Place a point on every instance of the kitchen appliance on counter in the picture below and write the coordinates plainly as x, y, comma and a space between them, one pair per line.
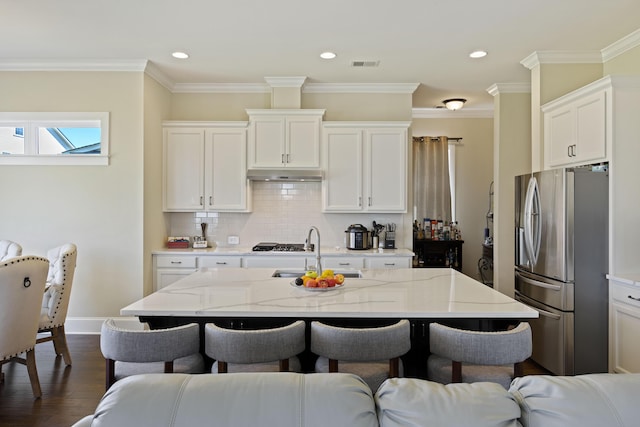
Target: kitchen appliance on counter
357, 237
561, 262
280, 247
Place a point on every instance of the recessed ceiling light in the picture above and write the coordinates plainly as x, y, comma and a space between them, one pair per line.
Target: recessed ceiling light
478, 54
327, 55
180, 55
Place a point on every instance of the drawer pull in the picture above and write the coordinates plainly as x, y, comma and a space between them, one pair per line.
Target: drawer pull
221, 263
344, 263
390, 263
176, 262
633, 298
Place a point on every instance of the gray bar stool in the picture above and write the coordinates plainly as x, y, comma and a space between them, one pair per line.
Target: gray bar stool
255, 350
459, 355
371, 353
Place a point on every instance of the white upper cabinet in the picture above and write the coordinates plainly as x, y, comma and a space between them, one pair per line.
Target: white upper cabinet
205, 167
365, 167
284, 138
575, 128
183, 169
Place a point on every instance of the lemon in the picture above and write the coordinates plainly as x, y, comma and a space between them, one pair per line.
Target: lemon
327, 273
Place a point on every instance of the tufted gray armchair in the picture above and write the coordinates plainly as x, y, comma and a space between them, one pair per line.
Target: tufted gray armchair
22, 282
9, 249
55, 302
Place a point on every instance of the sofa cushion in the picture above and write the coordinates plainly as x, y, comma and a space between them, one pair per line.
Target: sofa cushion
242, 399
410, 402
585, 400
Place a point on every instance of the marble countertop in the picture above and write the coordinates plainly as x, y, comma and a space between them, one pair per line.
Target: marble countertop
632, 279
246, 251
395, 293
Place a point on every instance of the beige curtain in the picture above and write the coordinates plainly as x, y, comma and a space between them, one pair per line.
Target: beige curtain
431, 191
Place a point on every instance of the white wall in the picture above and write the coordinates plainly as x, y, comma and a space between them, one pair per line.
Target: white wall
99, 208
157, 104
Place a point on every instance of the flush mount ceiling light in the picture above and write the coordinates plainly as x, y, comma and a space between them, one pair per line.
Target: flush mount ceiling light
327, 55
478, 54
180, 55
454, 104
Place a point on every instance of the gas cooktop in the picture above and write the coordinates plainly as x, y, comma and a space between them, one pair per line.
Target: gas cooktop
279, 247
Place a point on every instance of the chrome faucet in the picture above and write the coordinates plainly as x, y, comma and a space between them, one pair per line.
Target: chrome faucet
307, 246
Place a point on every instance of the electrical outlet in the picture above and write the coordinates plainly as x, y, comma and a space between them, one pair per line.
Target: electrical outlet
233, 240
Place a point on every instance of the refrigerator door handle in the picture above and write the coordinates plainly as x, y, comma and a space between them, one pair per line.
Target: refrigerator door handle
532, 304
540, 284
532, 222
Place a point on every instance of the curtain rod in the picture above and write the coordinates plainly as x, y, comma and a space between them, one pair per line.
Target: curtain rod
435, 138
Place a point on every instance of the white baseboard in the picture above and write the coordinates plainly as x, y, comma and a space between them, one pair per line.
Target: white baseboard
92, 325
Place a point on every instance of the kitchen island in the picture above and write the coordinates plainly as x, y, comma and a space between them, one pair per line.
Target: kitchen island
394, 294
251, 298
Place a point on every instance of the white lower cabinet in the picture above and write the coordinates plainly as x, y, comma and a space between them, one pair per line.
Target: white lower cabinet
296, 262
219, 261
388, 262
336, 263
171, 268
624, 328
168, 269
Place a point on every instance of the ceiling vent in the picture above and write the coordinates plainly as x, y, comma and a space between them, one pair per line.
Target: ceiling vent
363, 64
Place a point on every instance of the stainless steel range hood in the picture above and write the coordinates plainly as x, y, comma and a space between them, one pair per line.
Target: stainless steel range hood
284, 174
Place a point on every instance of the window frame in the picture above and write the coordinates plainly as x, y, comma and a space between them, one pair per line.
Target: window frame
32, 121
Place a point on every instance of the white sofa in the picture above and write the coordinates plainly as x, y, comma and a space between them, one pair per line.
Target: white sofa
314, 400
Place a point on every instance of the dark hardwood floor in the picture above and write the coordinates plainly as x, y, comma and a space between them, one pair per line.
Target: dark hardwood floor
69, 392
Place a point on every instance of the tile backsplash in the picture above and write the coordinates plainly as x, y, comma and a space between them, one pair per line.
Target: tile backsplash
282, 212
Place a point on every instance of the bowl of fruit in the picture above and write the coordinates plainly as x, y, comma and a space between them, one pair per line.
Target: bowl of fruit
325, 281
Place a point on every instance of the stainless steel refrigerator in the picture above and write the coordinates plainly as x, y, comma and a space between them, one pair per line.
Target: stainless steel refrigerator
561, 262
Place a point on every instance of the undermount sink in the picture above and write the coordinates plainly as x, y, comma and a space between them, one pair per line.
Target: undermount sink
299, 273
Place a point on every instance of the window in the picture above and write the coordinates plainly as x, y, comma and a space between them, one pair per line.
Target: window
452, 179
54, 138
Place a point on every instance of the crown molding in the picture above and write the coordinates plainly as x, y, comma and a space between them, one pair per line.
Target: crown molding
619, 47
443, 113
221, 88
499, 88
406, 88
562, 57
73, 65
153, 71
